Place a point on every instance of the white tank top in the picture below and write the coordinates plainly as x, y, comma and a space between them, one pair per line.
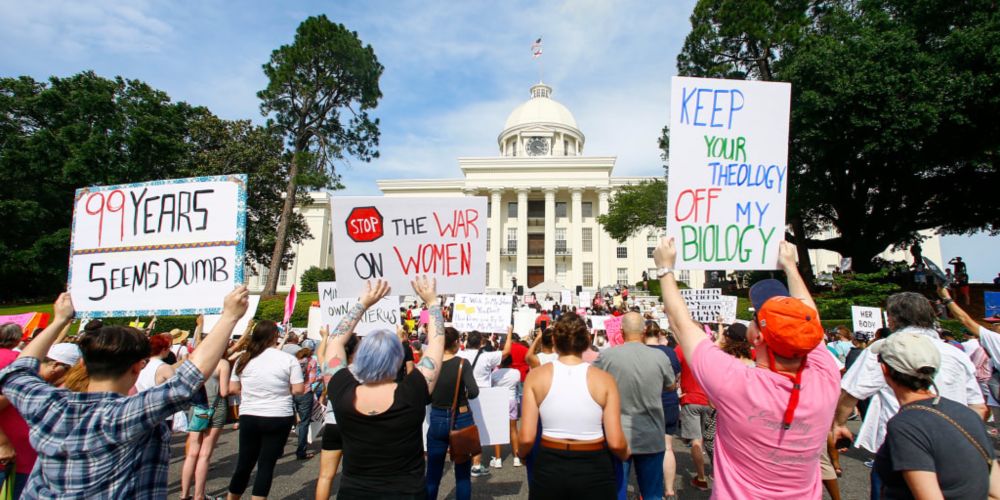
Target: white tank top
568, 410
147, 377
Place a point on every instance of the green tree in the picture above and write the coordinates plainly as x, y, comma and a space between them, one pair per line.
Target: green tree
320, 89
314, 275
68, 133
635, 207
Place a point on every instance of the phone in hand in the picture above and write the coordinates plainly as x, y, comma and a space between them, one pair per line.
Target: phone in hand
842, 443
544, 325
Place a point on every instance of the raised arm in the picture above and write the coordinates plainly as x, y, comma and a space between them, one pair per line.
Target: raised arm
531, 358
688, 333
207, 357
796, 285
62, 312
507, 342
199, 328
970, 324
430, 362
374, 292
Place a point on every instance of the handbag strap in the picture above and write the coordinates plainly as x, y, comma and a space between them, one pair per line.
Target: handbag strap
476, 359
454, 401
979, 447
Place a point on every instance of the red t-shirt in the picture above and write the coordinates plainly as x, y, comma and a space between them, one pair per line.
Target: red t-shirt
691, 391
15, 427
517, 354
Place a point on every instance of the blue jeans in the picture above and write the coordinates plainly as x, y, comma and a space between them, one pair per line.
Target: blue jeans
648, 472
303, 408
876, 484
437, 447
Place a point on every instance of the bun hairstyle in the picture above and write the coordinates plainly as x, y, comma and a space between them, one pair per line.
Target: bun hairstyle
263, 336
110, 351
570, 334
450, 339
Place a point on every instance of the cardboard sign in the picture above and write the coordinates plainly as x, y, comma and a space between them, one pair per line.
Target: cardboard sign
241, 325
728, 172
29, 322
384, 315
482, 313
397, 239
566, 298
160, 248
597, 322
491, 411
524, 321
585, 298
708, 304
866, 319
314, 322
613, 328
992, 302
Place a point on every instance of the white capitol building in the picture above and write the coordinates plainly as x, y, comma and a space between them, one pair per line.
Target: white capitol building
544, 196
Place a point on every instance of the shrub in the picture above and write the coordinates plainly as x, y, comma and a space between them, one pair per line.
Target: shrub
314, 275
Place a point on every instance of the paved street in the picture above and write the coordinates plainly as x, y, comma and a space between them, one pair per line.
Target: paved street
296, 479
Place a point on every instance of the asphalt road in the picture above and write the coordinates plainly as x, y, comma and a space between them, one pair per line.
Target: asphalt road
296, 479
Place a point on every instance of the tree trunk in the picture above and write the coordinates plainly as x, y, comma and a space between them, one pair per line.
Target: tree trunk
805, 261
271, 286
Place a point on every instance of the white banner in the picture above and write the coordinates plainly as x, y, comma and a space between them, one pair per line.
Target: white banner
158, 248
866, 319
566, 298
597, 322
398, 239
707, 305
384, 315
491, 411
241, 325
728, 172
482, 313
524, 321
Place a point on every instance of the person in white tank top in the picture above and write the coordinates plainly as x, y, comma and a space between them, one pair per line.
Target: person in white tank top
578, 408
156, 370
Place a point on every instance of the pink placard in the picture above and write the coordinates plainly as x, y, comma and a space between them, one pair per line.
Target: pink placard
613, 329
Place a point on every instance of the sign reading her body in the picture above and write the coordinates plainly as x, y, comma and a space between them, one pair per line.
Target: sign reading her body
866, 319
158, 248
397, 239
728, 172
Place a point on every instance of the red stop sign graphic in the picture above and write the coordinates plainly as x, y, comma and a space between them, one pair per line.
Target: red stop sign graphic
364, 224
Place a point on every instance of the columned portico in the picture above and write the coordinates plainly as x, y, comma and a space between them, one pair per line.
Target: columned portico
522, 236
608, 249
576, 230
550, 234
496, 235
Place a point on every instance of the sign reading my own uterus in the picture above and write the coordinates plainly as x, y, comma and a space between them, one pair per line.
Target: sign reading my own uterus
728, 172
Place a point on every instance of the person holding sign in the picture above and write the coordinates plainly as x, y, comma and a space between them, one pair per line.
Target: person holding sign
381, 420
779, 409
102, 443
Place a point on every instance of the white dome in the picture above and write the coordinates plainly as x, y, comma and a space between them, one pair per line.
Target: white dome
540, 109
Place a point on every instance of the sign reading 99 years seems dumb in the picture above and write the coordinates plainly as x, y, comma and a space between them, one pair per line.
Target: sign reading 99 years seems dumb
728, 172
398, 239
157, 248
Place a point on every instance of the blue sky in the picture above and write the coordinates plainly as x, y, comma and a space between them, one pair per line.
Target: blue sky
454, 70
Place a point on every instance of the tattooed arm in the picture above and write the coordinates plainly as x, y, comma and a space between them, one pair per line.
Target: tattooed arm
374, 292
430, 362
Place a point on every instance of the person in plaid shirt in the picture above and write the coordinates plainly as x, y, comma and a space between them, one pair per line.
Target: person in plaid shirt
102, 443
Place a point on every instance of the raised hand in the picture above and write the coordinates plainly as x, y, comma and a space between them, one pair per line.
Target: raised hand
787, 255
235, 304
426, 288
374, 291
665, 254
63, 307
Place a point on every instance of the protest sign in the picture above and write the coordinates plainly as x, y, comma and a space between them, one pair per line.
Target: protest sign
581, 312
315, 322
992, 303
327, 290
729, 305
398, 239
482, 313
384, 315
241, 325
585, 298
613, 329
491, 411
728, 172
597, 322
566, 298
524, 321
939, 277
160, 248
866, 319
29, 322
707, 305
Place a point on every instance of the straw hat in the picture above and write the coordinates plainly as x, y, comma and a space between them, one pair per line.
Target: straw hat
179, 335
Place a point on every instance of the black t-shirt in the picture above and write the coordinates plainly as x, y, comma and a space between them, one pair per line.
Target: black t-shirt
407, 356
383, 453
444, 390
921, 440
852, 356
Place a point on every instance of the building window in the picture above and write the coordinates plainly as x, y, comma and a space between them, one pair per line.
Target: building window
684, 277
588, 239
489, 230
511, 239
489, 209
588, 274
651, 241
560, 240
560, 209
512, 210
561, 272
536, 209
623, 276
487, 274
283, 278
588, 209
622, 252
262, 275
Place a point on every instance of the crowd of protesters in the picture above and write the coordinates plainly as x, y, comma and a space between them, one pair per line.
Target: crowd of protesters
763, 405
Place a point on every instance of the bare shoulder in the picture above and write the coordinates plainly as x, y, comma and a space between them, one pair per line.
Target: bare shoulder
599, 382
538, 381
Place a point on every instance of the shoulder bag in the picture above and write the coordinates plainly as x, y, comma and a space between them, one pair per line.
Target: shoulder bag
979, 447
462, 443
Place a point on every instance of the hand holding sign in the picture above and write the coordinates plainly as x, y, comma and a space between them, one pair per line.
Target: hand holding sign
63, 308
665, 254
234, 306
426, 288
787, 256
373, 294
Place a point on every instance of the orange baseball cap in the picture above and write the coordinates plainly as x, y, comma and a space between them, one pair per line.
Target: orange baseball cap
790, 328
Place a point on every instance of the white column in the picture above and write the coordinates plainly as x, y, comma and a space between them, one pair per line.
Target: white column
496, 227
550, 234
607, 259
522, 237
576, 237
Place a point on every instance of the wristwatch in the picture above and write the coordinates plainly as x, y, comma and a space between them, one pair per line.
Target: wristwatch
663, 271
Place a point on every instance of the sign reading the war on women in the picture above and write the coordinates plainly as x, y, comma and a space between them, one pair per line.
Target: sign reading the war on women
384, 315
157, 248
398, 239
482, 313
728, 172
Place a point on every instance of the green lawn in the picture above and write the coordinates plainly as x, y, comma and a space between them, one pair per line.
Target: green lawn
45, 307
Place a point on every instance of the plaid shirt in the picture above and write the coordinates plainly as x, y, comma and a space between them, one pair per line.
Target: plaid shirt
97, 445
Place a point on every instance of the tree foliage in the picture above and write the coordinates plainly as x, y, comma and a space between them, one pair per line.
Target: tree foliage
319, 93
634, 207
314, 275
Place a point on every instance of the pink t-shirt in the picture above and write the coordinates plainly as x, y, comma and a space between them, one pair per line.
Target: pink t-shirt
15, 427
754, 457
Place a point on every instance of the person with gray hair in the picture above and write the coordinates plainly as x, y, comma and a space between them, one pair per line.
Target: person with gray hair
10, 335
907, 312
380, 420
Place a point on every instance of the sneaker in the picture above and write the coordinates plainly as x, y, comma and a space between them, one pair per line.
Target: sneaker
496, 463
869, 463
517, 462
701, 484
479, 470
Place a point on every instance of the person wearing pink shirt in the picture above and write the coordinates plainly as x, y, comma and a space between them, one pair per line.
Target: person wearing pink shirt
772, 419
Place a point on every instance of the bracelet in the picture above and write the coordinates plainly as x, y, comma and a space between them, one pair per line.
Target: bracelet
947, 301
663, 271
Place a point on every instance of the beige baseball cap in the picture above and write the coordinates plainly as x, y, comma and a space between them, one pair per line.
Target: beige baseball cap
910, 354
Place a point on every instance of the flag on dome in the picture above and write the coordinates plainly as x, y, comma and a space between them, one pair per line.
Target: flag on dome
536, 48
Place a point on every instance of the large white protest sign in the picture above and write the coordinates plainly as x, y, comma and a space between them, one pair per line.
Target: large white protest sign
524, 321
241, 325
707, 305
728, 172
566, 298
482, 313
597, 322
397, 239
384, 315
491, 411
866, 319
585, 299
161, 248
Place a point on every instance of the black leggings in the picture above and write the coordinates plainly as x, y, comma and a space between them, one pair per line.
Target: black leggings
262, 442
572, 475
